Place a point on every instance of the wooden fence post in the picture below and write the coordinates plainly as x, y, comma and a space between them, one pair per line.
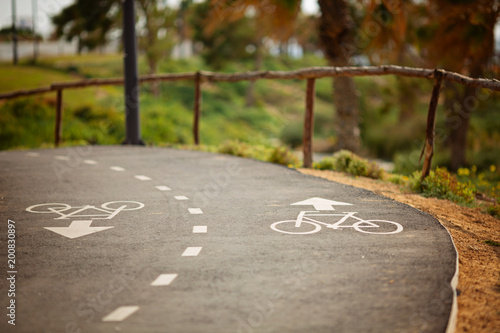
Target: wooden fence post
58, 130
431, 124
197, 105
307, 136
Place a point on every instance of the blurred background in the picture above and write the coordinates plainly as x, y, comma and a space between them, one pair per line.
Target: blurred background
380, 118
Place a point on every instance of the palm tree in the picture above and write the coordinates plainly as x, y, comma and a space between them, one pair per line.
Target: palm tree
336, 34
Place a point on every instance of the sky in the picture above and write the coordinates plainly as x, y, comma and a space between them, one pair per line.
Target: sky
48, 8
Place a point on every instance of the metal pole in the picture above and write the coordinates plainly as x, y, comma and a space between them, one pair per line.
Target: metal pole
14, 33
132, 119
197, 104
34, 9
58, 130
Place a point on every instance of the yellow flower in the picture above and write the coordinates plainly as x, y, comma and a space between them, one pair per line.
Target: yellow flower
493, 168
474, 168
463, 172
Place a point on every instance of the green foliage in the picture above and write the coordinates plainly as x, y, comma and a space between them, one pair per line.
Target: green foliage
492, 243
279, 155
493, 210
346, 161
444, 185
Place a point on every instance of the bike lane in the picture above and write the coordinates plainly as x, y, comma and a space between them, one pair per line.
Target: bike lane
248, 276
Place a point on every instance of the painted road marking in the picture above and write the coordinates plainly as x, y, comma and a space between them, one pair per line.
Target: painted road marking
192, 251
122, 313
62, 158
181, 197
77, 229
91, 162
141, 177
117, 168
164, 280
163, 188
195, 211
32, 154
321, 204
200, 229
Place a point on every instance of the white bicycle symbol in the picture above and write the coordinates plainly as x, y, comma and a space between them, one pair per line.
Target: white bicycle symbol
107, 210
304, 225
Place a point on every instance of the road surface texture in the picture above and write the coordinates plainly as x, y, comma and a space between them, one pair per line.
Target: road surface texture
134, 239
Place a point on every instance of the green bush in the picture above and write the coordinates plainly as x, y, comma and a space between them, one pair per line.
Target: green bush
283, 156
345, 161
444, 185
280, 155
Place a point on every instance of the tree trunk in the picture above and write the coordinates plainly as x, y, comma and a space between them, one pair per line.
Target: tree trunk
335, 31
458, 119
250, 95
458, 114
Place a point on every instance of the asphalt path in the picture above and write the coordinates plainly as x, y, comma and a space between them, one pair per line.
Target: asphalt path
134, 239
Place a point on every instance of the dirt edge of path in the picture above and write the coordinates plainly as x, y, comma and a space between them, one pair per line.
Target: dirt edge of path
479, 263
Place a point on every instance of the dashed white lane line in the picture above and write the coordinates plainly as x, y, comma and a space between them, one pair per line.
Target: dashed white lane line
91, 162
195, 211
181, 197
142, 177
122, 313
32, 154
164, 280
163, 188
117, 168
61, 158
192, 251
200, 229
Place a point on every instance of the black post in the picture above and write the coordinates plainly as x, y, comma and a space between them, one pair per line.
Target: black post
14, 33
132, 119
34, 10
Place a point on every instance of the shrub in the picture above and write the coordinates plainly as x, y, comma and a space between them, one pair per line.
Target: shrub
280, 155
441, 184
345, 161
494, 210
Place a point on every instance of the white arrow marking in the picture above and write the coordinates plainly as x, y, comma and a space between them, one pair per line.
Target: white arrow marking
77, 229
321, 204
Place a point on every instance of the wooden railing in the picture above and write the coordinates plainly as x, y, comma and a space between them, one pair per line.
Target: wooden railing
310, 74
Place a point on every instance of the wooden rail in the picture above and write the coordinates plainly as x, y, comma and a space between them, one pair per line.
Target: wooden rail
310, 74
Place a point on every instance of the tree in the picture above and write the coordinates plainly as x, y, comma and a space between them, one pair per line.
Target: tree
459, 36
336, 32
225, 42
91, 21
271, 18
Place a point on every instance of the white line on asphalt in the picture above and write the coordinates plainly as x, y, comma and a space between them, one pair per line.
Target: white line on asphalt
192, 251
91, 162
32, 154
195, 211
200, 229
120, 314
164, 280
61, 158
141, 177
163, 188
181, 197
117, 168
